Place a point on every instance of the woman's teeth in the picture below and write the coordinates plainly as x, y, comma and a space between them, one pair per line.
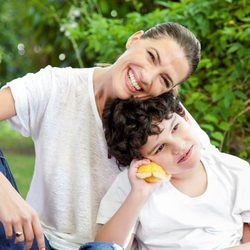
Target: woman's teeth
132, 81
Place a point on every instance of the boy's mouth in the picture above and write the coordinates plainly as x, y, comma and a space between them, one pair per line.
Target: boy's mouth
186, 155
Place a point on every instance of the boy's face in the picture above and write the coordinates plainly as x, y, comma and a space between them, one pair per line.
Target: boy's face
176, 148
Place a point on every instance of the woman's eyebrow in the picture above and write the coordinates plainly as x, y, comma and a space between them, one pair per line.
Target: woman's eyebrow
159, 60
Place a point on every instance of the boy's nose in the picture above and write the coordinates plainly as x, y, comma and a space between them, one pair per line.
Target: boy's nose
178, 148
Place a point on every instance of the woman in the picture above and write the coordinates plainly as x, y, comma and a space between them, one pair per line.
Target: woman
61, 109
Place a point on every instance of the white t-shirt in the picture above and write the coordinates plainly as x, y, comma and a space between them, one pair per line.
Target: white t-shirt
72, 171
172, 220
56, 106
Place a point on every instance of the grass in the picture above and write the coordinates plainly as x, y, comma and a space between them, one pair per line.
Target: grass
21, 166
19, 152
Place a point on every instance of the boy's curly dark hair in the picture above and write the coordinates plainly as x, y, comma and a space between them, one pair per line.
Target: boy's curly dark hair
128, 123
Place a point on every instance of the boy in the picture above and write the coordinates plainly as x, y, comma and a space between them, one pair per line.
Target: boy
203, 206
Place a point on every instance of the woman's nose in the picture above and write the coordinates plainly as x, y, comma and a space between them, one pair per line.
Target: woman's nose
146, 81
148, 77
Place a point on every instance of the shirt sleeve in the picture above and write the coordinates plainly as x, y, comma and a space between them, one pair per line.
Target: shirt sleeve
32, 94
244, 192
201, 134
114, 198
241, 177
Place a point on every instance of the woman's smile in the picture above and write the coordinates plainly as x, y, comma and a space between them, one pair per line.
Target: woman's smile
132, 82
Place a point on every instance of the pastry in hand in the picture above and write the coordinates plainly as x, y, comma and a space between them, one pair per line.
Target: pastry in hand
152, 172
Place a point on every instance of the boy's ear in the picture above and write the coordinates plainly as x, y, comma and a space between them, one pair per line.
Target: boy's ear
134, 38
187, 119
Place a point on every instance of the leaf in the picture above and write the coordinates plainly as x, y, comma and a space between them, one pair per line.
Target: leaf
234, 47
207, 127
227, 99
224, 126
215, 143
240, 94
211, 118
217, 135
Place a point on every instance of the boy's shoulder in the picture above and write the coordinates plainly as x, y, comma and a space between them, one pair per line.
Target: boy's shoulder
122, 180
226, 162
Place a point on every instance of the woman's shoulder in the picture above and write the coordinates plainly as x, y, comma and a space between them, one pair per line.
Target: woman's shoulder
69, 72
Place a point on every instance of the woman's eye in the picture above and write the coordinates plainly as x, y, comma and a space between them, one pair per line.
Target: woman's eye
166, 82
151, 56
159, 149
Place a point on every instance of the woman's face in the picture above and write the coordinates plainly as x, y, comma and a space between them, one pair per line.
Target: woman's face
149, 67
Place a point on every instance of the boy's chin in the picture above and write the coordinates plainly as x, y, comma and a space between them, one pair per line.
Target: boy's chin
196, 155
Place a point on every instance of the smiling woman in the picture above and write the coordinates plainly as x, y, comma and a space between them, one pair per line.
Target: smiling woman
61, 109
156, 60
157, 65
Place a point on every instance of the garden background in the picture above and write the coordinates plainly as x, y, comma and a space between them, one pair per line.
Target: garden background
76, 33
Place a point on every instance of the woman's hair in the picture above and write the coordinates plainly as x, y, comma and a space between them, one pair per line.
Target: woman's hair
184, 37
128, 123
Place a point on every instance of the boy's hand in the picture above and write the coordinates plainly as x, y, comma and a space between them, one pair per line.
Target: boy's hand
18, 217
140, 185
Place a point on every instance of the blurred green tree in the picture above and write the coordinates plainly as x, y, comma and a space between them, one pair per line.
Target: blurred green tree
81, 33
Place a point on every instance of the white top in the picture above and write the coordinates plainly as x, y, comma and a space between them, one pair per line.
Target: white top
56, 106
173, 220
72, 172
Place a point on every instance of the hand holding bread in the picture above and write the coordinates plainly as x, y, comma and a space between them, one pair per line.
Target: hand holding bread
152, 173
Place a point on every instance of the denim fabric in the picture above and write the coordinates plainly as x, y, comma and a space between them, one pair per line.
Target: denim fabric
100, 246
10, 244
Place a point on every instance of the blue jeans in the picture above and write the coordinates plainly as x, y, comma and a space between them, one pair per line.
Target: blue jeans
9, 244
100, 246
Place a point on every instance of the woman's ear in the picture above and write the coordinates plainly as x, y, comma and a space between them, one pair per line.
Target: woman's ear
134, 38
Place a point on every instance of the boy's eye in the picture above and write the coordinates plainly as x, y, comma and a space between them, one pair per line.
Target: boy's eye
175, 127
160, 148
151, 56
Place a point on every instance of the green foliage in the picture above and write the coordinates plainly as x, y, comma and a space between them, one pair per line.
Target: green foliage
92, 31
223, 74
217, 95
11, 141
21, 166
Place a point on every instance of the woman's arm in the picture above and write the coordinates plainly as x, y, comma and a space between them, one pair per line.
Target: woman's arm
7, 104
16, 214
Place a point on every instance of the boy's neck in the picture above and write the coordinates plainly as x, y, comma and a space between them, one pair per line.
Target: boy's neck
193, 183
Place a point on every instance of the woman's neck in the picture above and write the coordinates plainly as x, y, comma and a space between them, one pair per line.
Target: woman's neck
102, 87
